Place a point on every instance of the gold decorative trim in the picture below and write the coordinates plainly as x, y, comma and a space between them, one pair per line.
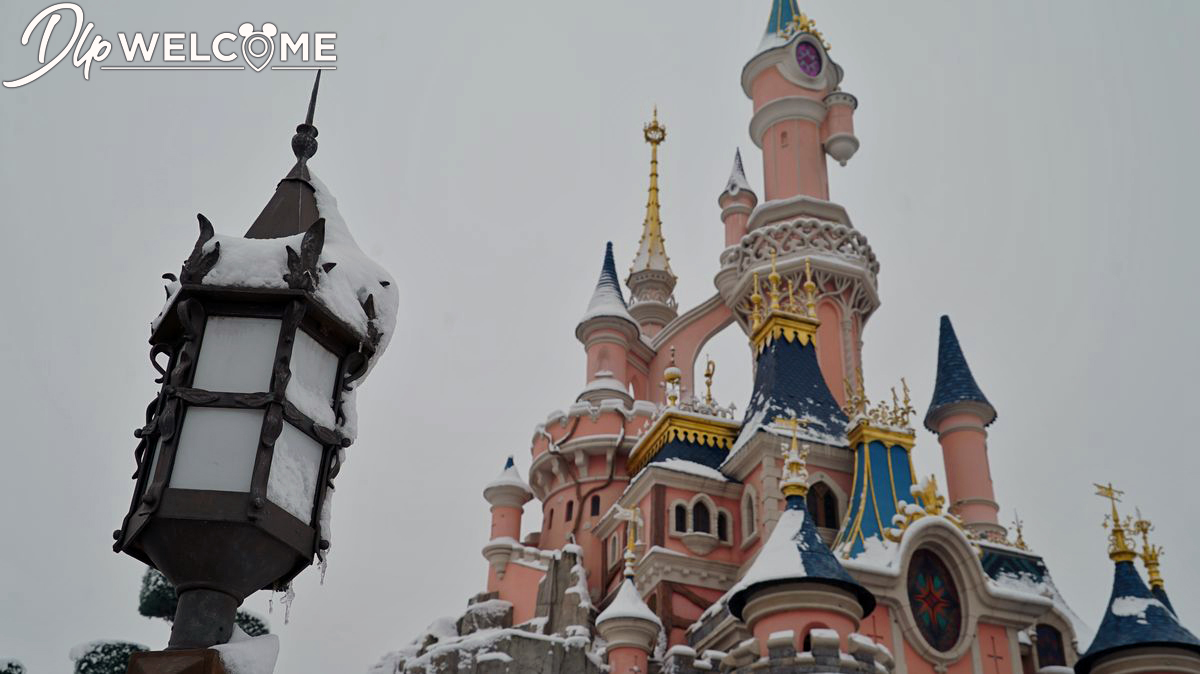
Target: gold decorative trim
671, 425
781, 325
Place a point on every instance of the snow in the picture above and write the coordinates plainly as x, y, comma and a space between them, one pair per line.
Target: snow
607, 301
737, 177
494, 657
249, 655
1024, 583
262, 263
313, 404
1127, 607
691, 468
509, 477
628, 604
780, 557
580, 587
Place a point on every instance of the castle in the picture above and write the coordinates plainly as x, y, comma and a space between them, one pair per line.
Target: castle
681, 535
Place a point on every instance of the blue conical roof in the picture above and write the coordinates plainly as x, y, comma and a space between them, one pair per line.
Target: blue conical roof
1134, 619
1161, 595
795, 553
607, 299
955, 383
782, 14
788, 383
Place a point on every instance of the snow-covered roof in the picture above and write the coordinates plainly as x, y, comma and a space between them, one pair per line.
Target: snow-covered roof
691, 468
1134, 619
628, 604
737, 176
509, 477
607, 299
795, 553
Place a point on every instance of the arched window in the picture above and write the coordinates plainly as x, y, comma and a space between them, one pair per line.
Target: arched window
822, 505
681, 518
723, 527
701, 520
570, 510
595, 505
550, 519
1050, 647
749, 522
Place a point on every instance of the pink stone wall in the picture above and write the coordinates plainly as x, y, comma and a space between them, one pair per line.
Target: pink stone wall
801, 622
968, 475
627, 660
519, 586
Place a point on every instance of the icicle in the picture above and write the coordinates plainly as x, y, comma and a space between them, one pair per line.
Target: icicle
288, 597
323, 564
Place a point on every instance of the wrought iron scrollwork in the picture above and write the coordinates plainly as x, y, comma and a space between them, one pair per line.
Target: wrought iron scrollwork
199, 263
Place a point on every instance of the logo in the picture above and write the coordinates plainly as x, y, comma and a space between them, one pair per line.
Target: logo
174, 51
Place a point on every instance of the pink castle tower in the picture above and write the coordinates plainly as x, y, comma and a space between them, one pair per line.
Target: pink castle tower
677, 535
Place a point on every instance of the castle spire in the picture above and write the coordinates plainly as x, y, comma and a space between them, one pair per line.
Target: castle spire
651, 281
293, 207
1137, 628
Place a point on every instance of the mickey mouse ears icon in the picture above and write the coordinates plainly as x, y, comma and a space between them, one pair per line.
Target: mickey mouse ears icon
258, 47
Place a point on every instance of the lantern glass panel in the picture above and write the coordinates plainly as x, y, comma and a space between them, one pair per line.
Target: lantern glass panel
295, 468
216, 450
237, 354
314, 373
157, 449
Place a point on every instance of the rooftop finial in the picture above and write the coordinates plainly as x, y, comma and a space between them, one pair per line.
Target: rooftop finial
304, 143
652, 251
1150, 553
795, 460
1119, 549
710, 369
671, 379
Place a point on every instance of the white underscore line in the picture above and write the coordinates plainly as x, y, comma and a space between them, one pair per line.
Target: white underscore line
213, 67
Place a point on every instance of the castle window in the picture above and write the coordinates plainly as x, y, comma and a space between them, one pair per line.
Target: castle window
723, 527
550, 519
595, 505
822, 504
749, 522
570, 510
701, 519
681, 518
1050, 647
613, 547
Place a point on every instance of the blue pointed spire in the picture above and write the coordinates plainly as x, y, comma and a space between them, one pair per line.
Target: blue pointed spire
508, 464
608, 274
1161, 595
795, 553
1134, 619
607, 299
955, 383
782, 14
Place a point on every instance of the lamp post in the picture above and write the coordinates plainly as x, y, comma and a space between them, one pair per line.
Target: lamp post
259, 349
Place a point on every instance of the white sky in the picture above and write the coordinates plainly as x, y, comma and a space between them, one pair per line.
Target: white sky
1026, 167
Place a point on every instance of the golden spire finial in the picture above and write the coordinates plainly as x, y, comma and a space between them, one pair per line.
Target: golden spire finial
710, 368
810, 290
795, 460
773, 278
652, 250
931, 500
1150, 553
1119, 549
756, 299
671, 376
802, 24
631, 543
1018, 526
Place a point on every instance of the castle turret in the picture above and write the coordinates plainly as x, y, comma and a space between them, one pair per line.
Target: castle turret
800, 111
1150, 555
796, 584
607, 330
628, 625
651, 281
1138, 632
507, 495
737, 202
960, 414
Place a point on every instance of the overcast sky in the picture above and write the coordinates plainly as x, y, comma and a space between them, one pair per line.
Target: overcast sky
1026, 167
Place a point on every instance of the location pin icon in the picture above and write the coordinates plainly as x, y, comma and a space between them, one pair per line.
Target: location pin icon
258, 47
